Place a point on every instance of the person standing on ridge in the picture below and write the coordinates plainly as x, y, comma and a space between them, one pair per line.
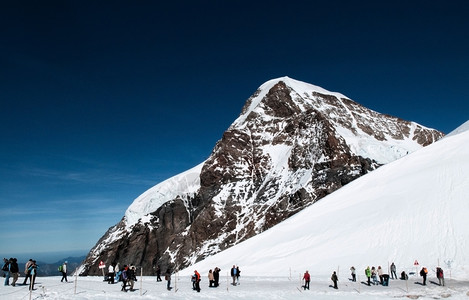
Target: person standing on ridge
307, 279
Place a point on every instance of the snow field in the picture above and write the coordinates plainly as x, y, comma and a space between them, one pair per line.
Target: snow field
255, 288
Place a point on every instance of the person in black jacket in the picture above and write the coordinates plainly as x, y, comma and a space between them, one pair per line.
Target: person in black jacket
334, 279
216, 276
14, 270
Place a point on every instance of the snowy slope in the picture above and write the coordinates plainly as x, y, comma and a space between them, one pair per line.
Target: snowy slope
415, 208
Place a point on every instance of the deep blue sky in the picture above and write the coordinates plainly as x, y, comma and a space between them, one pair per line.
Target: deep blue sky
100, 100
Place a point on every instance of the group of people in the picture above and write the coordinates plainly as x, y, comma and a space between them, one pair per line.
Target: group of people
127, 276
214, 278
10, 268
375, 273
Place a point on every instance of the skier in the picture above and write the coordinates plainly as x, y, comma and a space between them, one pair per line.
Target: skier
423, 273
368, 275
439, 275
111, 274
307, 279
354, 275
334, 279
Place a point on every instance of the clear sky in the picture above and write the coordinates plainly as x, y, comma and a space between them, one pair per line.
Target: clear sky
100, 100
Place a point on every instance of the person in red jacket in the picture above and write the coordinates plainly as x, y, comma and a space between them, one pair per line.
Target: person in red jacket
197, 281
307, 279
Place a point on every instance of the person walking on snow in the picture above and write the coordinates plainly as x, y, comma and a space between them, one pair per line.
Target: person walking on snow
158, 273
354, 275
234, 273
393, 271
111, 274
380, 275
211, 278
27, 272
167, 277
216, 276
334, 279
197, 281
368, 275
14, 270
307, 279
423, 273
439, 275
6, 271
64, 272
373, 276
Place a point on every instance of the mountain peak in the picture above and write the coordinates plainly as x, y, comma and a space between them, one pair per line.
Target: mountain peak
293, 144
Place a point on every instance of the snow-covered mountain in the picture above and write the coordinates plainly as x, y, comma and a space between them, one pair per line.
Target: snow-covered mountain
293, 144
413, 209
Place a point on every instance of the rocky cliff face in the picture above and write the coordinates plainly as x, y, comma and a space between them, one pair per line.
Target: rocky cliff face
293, 144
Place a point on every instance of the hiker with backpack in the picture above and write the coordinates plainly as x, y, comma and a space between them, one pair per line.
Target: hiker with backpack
63, 270
27, 272
424, 273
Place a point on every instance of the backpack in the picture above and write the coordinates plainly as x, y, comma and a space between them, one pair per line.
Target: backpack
60, 268
5, 267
